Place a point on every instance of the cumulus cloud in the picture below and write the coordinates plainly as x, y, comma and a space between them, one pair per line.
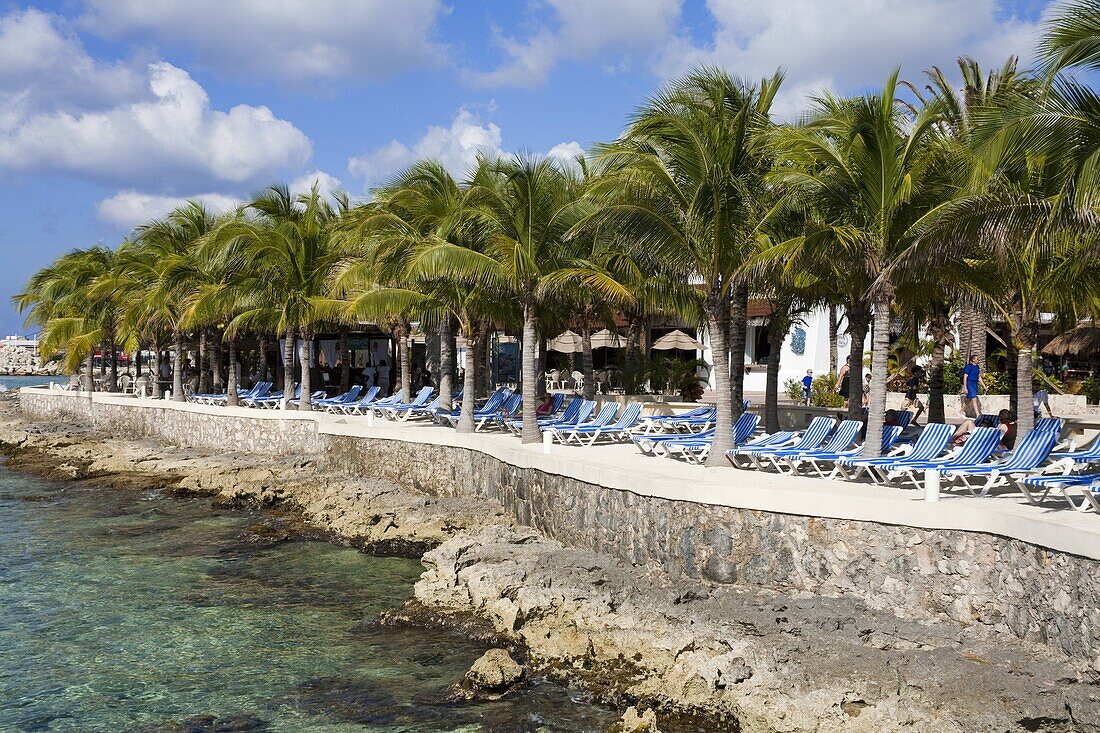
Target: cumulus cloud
855, 42
297, 41
326, 184
143, 125
583, 29
457, 147
126, 209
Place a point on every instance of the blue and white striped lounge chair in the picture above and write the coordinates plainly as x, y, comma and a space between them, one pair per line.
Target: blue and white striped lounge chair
1050, 424
815, 434
843, 438
349, 408
695, 448
432, 408
274, 400
775, 440
1028, 455
615, 431
583, 415
817, 459
603, 418
1076, 459
904, 418
1088, 484
313, 397
260, 389
394, 399
512, 409
932, 441
568, 416
979, 446
397, 411
663, 423
489, 408
350, 396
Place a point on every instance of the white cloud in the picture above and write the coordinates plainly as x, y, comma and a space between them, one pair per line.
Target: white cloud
456, 147
168, 137
127, 209
296, 41
585, 28
856, 42
326, 184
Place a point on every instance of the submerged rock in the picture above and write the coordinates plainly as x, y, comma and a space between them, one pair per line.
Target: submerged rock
209, 724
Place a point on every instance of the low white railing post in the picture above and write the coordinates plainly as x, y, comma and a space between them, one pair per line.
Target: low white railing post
932, 485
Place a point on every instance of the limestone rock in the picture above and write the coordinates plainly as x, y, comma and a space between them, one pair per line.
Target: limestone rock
495, 672
635, 722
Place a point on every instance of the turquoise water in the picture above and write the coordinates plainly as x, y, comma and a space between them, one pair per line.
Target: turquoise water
128, 611
9, 382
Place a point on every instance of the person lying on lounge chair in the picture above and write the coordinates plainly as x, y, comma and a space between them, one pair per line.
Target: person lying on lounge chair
1007, 428
546, 406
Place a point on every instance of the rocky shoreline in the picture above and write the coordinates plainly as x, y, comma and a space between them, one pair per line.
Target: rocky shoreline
735, 658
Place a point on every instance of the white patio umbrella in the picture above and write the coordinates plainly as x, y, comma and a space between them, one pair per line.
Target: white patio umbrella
566, 343
677, 340
607, 339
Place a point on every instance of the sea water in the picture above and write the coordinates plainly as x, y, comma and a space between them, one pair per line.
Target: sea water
124, 610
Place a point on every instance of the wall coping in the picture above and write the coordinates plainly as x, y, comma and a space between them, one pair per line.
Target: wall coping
621, 467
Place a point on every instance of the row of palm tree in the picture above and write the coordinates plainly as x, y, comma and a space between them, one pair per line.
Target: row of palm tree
905, 205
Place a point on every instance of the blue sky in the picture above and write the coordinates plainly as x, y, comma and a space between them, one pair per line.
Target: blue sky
113, 111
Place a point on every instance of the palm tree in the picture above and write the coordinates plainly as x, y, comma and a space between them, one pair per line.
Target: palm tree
62, 300
287, 245
171, 246
686, 183
860, 166
530, 205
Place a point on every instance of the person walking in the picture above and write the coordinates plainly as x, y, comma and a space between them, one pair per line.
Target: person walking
807, 387
1040, 398
843, 377
970, 383
912, 386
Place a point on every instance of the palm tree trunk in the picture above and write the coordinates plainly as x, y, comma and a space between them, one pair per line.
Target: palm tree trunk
485, 384
771, 395
718, 329
288, 366
345, 360
89, 372
469, 381
155, 381
832, 339
232, 399
204, 382
940, 327
404, 358
586, 359
446, 362
217, 358
530, 432
1012, 366
973, 323
261, 344
137, 361
858, 325
880, 352
1025, 416
305, 403
177, 367
738, 332
112, 380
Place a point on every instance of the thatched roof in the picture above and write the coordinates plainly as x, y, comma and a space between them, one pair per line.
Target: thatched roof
1081, 341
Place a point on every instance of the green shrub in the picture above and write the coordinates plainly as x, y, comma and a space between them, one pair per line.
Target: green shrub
1090, 388
823, 393
793, 389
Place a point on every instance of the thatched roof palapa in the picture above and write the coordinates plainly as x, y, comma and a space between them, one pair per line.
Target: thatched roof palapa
1081, 341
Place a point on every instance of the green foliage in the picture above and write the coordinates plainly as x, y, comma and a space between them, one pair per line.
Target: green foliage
823, 392
793, 389
1090, 388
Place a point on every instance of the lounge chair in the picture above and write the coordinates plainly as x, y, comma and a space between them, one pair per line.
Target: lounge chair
568, 417
398, 410
272, 400
662, 423
619, 430
489, 407
840, 441
603, 418
1087, 483
815, 434
816, 459
775, 440
511, 410
1027, 456
696, 448
353, 408
904, 418
350, 396
979, 446
394, 399
260, 389
583, 412
933, 440
430, 409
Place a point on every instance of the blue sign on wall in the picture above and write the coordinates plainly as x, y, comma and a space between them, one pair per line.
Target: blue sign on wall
798, 341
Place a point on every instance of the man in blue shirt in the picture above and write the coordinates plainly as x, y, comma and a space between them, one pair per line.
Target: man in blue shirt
970, 374
807, 386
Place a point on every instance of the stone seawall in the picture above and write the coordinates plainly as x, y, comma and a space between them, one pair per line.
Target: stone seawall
973, 578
